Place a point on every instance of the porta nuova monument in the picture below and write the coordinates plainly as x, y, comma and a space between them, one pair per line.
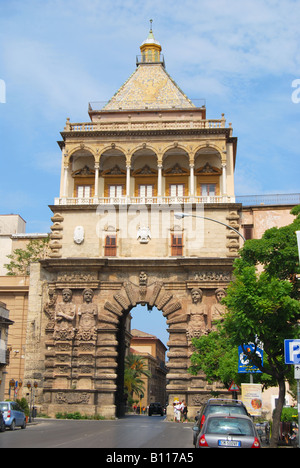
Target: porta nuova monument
116, 242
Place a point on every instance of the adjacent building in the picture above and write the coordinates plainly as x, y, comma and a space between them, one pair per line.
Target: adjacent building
154, 353
5, 322
118, 239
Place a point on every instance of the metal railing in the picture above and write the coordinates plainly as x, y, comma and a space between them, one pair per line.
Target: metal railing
271, 199
142, 200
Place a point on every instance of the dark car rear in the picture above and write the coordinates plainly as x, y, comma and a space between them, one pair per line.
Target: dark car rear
155, 408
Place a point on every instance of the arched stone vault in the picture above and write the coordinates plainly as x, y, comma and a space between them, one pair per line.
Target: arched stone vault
81, 316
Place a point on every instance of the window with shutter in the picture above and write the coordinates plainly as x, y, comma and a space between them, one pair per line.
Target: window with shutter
110, 249
115, 191
84, 191
176, 190
208, 190
176, 245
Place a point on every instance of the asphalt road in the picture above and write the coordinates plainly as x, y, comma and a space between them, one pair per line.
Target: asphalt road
131, 432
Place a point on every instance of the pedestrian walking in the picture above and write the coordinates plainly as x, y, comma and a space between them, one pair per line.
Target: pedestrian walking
184, 412
178, 412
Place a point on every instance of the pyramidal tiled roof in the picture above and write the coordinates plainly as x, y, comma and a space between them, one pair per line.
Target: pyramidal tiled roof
149, 87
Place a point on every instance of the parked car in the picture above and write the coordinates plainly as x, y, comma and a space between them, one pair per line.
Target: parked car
13, 415
2, 422
224, 431
155, 408
217, 405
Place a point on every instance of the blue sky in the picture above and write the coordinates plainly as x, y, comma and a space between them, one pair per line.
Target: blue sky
242, 57
57, 55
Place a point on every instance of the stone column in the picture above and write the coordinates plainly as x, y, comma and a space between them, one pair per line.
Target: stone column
224, 179
192, 181
96, 193
159, 180
127, 181
65, 188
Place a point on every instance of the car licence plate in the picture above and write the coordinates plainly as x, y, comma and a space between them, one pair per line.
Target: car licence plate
229, 443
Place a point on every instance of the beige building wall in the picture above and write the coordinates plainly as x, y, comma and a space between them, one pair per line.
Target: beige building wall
14, 292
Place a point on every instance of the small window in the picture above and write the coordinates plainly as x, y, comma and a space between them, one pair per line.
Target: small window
248, 231
176, 190
208, 190
146, 191
84, 191
115, 191
176, 245
110, 246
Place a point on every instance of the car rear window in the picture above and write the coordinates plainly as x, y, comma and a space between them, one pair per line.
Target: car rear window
4, 407
229, 426
214, 409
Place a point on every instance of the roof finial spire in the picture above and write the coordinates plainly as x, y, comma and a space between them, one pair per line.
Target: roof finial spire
151, 21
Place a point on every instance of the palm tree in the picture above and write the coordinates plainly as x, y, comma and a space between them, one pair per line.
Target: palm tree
135, 368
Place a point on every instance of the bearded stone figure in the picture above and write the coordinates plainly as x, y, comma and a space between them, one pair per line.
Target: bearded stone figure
64, 317
87, 314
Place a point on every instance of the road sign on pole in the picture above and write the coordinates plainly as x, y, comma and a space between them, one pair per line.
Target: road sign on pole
292, 351
234, 387
245, 365
297, 371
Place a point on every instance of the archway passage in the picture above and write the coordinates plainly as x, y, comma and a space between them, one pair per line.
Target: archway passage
78, 355
141, 343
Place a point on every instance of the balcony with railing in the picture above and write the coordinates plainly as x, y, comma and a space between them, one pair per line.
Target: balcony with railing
169, 200
149, 125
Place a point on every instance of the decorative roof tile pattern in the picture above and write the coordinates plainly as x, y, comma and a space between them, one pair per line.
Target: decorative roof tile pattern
149, 87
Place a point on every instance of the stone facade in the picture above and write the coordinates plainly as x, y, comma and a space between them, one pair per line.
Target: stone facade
77, 347
117, 242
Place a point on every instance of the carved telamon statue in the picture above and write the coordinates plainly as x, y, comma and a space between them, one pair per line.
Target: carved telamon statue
49, 309
87, 314
64, 317
143, 281
198, 323
218, 310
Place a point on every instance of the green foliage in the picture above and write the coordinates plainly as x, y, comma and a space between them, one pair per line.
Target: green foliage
77, 416
21, 259
23, 403
289, 415
135, 368
263, 305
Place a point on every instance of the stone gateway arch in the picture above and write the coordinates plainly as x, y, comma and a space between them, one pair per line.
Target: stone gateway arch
116, 242
78, 355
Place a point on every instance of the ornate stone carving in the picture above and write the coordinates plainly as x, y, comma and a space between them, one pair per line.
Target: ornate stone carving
49, 309
198, 323
56, 235
143, 284
144, 234
64, 317
78, 235
72, 398
218, 310
213, 276
87, 314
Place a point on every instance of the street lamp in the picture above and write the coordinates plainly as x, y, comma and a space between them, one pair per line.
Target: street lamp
183, 215
32, 395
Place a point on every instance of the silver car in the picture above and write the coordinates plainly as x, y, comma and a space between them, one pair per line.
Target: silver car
226, 431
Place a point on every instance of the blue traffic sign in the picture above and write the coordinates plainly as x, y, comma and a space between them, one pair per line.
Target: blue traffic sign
292, 351
245, 366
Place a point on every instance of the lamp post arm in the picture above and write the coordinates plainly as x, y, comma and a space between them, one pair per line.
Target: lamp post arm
227, 225
182, 215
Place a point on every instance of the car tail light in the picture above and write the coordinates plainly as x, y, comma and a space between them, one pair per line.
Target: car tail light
256, 443
202, 421
202, 441
8, 414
